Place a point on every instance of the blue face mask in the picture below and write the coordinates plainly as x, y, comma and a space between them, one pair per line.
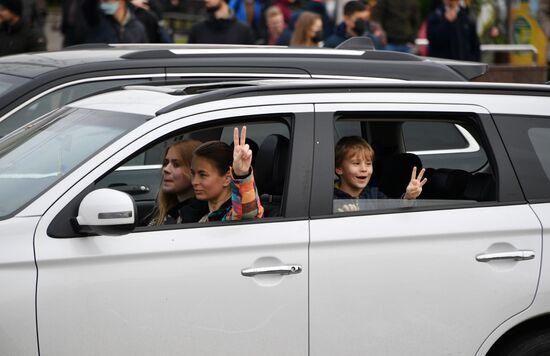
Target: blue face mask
109, 8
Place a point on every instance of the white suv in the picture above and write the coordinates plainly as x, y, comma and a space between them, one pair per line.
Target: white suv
460, 271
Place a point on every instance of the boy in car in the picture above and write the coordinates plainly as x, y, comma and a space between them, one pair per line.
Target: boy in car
353, 165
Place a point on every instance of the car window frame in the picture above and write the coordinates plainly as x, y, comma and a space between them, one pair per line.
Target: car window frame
507, 186
297, 185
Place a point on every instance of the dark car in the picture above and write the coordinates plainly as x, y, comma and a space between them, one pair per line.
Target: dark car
34, 84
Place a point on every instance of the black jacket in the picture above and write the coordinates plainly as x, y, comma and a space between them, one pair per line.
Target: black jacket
453, 40
102, 28
20, 38
223, 31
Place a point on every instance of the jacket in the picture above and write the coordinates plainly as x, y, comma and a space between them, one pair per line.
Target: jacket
109, 30
367, 193
20, 38
341, 34
399, 18
222, 31
453, 40
244, 203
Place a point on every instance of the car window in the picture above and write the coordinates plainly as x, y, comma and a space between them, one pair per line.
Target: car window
268, 138
57, 99
528, 142
40, 154
374, 163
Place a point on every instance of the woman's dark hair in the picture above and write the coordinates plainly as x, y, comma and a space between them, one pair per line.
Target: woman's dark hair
218, 152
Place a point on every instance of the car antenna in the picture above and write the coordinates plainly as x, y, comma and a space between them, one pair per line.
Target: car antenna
361, 43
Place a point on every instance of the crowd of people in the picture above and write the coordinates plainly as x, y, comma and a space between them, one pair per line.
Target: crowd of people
390, 24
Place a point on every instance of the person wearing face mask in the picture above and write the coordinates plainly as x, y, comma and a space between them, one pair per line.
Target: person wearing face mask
112, 21
308, 31
220, 26
356, 23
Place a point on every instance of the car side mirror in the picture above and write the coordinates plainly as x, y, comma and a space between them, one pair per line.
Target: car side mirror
107, 212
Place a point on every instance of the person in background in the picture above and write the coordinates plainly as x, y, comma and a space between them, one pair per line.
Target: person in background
250, 12
308, 31
149, 13
112, 21
34, 13
400, 19
285, 7
320, 8
284, 38
176, 201
356, 23
16, 35
452, 33
275, 23
220, 26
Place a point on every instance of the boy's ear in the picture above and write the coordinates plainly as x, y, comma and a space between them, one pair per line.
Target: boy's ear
339, 171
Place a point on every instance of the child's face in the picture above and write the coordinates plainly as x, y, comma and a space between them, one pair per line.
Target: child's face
355, 172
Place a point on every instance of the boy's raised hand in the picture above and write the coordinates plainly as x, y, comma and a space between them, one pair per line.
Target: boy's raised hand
415, 185
242, 154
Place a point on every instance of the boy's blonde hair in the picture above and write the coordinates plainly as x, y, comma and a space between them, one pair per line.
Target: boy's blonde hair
348, 146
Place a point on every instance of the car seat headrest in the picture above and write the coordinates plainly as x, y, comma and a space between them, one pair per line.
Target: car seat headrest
271, 164
396, 174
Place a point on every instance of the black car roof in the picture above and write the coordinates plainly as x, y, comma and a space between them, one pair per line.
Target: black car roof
381, 64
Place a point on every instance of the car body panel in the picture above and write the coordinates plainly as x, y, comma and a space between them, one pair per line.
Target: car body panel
409, 283
18, 276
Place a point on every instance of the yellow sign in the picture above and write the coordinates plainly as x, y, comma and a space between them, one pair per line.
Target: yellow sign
526, 30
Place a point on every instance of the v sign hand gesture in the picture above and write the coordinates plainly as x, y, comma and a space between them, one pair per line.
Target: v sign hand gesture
415, 185
242, 155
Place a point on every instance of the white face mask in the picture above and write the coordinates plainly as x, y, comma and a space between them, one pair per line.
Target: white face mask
109, 8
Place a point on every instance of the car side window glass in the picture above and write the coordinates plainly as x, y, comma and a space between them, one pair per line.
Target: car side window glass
57, 99
402, 163
527, 140
141, 176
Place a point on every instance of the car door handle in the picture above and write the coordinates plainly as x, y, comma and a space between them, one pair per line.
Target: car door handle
520, 255
284, 269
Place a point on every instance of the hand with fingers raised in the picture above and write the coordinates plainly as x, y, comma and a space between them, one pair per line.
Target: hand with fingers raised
242, 154
415, 184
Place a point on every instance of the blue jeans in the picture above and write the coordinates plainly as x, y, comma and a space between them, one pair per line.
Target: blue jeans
398, 47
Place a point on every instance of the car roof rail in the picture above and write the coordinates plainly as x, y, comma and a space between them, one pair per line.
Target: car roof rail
199, 88
88, 46
358, 43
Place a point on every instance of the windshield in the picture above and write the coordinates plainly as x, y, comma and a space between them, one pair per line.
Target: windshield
8, 82
39, 154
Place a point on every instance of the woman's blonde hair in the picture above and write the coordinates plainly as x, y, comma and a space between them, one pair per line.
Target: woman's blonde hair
301, 29
166, 201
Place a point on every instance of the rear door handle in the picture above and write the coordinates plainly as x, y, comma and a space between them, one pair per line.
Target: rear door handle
283, 270
520, 255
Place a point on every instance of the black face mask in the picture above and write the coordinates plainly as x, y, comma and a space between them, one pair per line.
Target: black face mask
359, 27
318, 36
